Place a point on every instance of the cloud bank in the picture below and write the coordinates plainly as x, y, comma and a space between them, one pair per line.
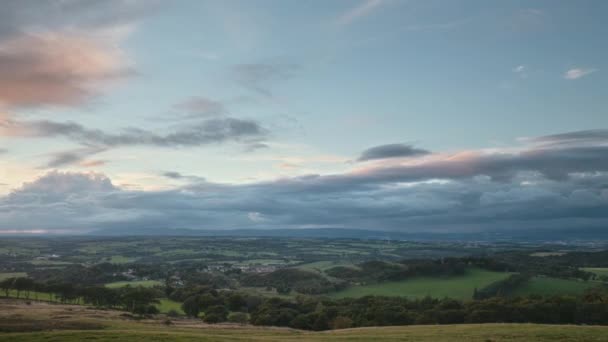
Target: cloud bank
538, 186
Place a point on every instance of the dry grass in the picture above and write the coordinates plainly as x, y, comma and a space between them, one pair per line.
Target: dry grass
68, 323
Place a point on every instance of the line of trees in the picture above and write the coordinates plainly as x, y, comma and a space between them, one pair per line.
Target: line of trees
317, 313
138, 300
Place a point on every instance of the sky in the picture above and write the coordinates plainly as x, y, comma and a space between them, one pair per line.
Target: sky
412, 116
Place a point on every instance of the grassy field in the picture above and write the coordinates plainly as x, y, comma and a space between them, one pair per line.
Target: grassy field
68, 323
119, 259
167, 305
32, 296
144, 283
323, 265
460, 287
12, 275
600, 271
553, 286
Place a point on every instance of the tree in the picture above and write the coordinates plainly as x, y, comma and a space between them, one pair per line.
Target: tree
191, 306
216, 314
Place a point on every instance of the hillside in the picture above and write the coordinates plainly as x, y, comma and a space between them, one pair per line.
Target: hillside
45, 322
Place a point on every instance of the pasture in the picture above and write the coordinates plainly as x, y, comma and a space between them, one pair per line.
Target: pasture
599, 271
144, 283
548, 286
459, 287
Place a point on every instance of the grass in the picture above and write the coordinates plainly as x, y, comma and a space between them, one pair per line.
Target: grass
323, 265
32, 296
69, 323
119, 259
547, 286
49, 263
600, 271
138, 332
167, 305
12, 275
459, 287
144, 283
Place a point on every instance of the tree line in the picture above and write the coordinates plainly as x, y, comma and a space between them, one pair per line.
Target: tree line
138, 300
318, 313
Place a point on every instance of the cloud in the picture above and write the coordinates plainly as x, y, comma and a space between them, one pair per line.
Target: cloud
521, 70
576, 73
52, 69
24, 16
59, 53
363, 9
200, 106
391, 151
260, 77
209, 131
77, 156
179, 176
3, 151
557, 186
586, 137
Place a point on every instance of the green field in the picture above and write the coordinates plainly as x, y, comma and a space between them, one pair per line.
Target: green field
119, 259
144, 283
167, 305
459, 287
12, 275
547, 286
33, 295
323, 265
600, 271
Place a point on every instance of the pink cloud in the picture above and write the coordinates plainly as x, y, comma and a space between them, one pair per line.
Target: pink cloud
56, 69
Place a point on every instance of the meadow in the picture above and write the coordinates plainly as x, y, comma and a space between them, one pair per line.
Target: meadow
548, 286
144, 283
458, 287
599, 271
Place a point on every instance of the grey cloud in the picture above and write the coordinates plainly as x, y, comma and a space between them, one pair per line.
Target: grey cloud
577, 137
18, 16
173, 175
210, 131
538, 188
3, 151
179, 176
200, 106
73, 157
75, 200
391, 151
261, 77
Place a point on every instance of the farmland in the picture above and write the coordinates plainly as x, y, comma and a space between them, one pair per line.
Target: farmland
144, 283
459, 287
548, 286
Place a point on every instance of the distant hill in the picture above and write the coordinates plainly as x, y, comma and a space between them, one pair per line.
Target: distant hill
537, 235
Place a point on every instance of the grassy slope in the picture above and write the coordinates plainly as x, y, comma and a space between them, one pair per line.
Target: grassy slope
486, 332
600, 271
460, 287
552, 286
57, 323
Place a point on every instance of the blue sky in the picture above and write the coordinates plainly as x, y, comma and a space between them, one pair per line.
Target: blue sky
162, 99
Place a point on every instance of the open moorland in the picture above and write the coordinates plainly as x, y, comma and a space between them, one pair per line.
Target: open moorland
66, 323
